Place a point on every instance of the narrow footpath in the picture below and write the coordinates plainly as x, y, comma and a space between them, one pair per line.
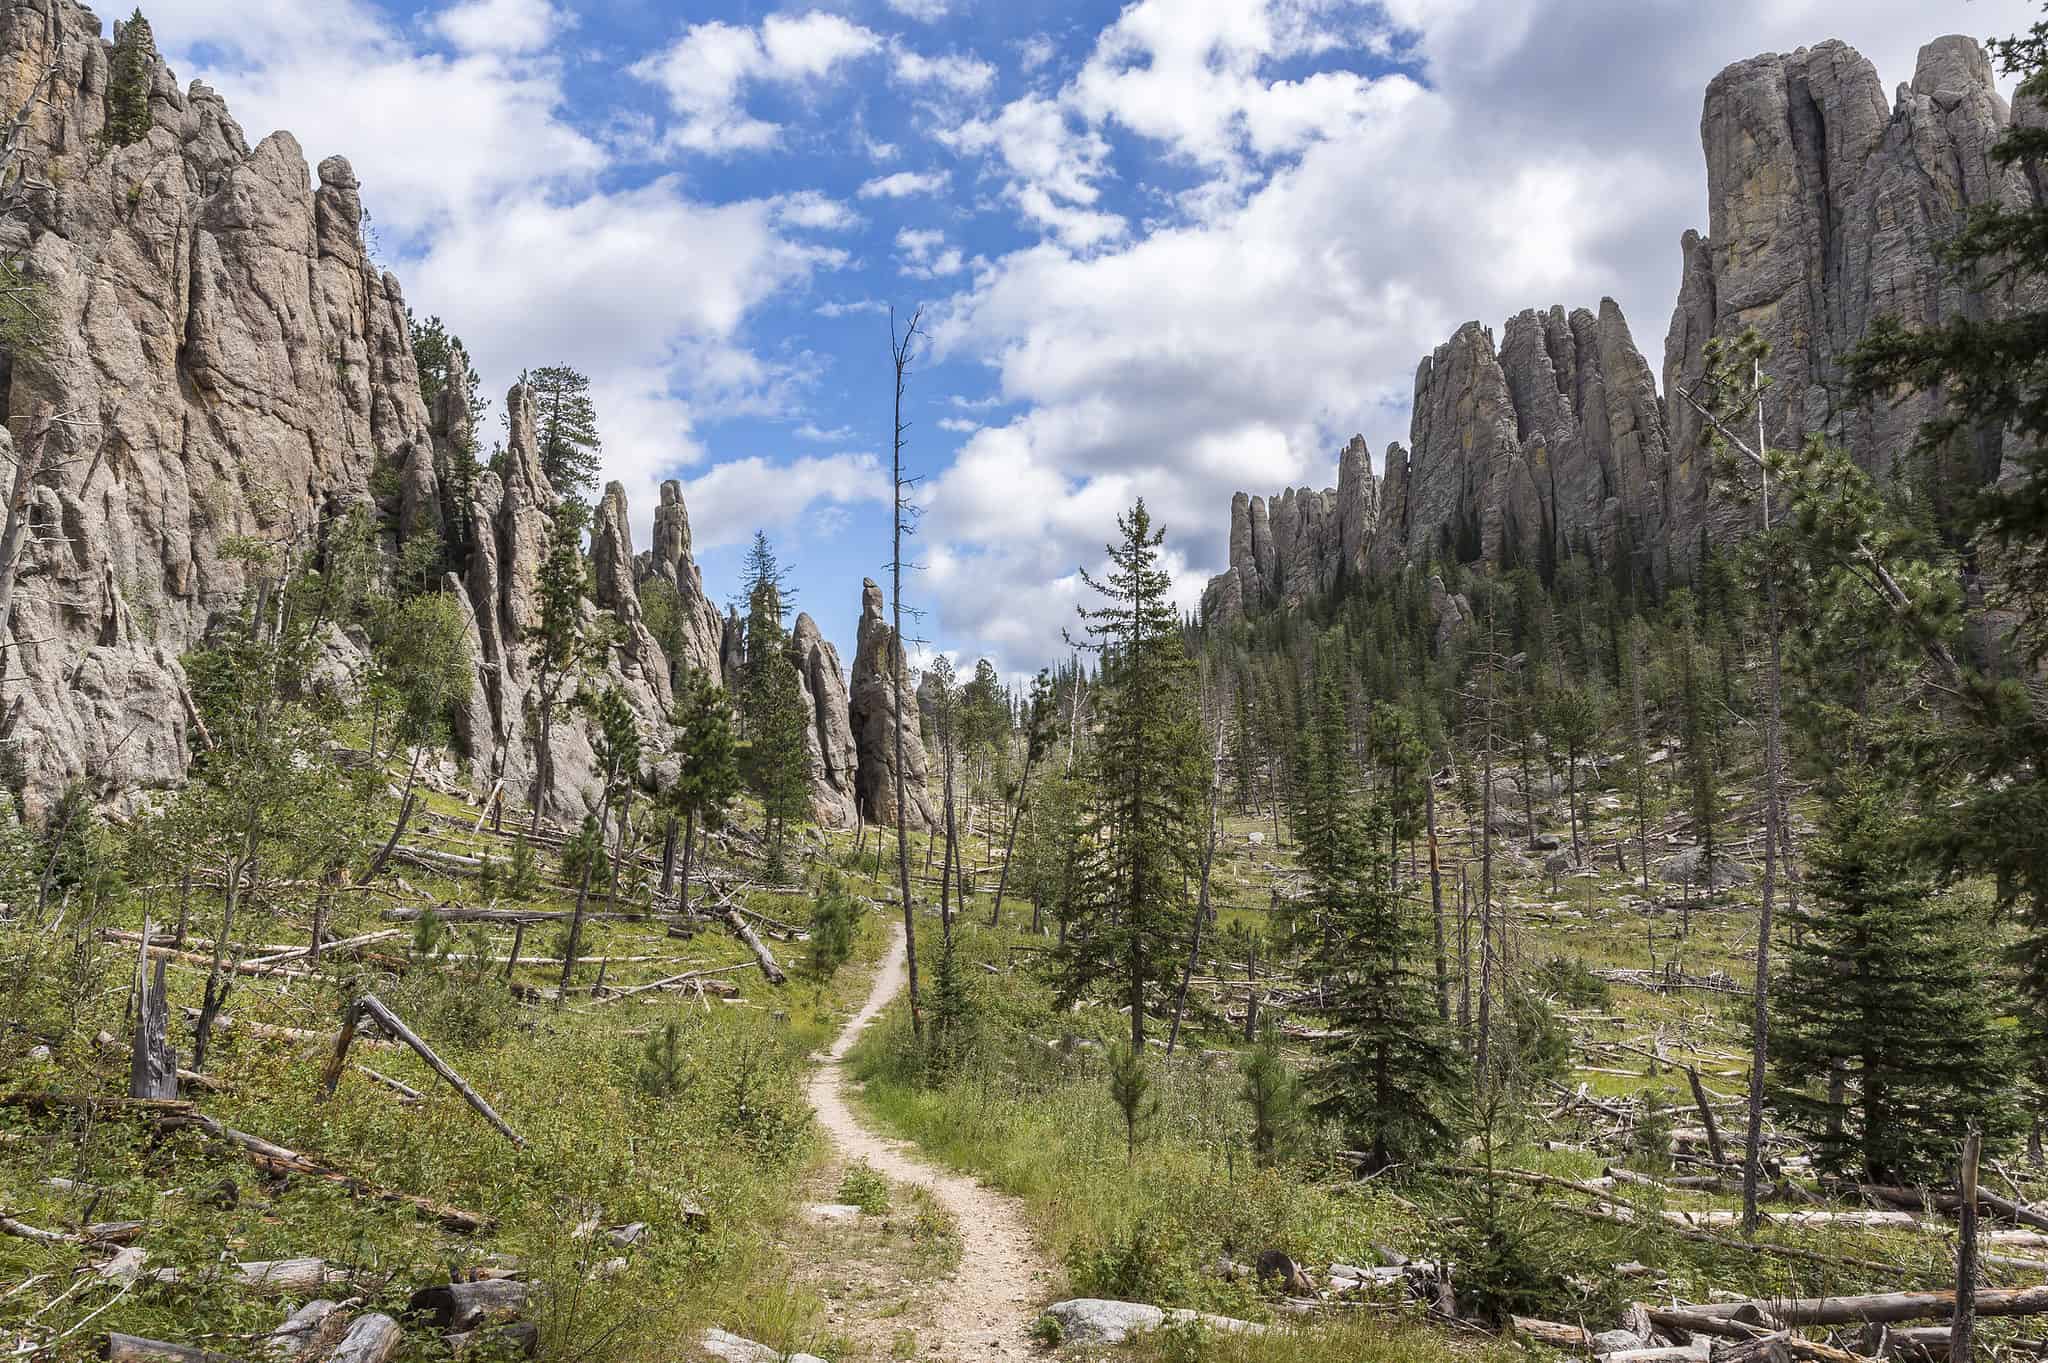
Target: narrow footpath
987, 1308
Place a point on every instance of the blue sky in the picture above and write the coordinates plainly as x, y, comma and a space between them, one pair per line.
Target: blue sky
1171, 248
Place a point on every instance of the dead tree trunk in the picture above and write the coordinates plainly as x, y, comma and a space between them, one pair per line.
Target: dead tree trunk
761, 954
153, 1066
1963, 1331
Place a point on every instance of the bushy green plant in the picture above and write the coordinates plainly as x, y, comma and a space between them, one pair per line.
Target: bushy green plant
585, 848
835, 918
663, 1069
861, 1186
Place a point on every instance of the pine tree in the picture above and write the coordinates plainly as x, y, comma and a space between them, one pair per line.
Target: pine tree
1889, 976
129, 117
707, 778
1129, 921
1388, 1068
1272, 1092
565, 429
615, 738
559, 648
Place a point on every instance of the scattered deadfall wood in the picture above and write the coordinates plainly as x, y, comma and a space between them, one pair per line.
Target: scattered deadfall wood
276, 1159
369, 1006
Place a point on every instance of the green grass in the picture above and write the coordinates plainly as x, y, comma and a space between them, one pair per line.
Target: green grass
733, 1143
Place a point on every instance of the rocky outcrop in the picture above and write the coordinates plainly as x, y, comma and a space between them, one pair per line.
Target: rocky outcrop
880, 789
700, 628
834, 755
232, 369
230, 366
1828, 208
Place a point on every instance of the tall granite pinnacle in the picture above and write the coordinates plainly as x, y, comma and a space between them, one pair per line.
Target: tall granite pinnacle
1827, 209
236, 369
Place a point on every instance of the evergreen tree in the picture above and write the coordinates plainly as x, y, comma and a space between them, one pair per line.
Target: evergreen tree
615, 738
565, 427
1890, 977
1388, 1068
777, 758
421, 654
1272, 1092
129, 118
707, 778
1130, 1088
1129, 920
559, 647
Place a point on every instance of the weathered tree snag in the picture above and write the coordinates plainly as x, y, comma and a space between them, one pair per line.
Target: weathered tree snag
371, 1338
153, 1065
1965, 1318
746, 934
465, 1306
370, 1005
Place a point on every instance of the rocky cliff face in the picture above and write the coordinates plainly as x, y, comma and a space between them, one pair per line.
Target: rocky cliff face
1828, 208
228, 367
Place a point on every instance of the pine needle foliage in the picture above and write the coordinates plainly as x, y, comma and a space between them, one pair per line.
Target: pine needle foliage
1887, 976
1389, 1067
1127, 923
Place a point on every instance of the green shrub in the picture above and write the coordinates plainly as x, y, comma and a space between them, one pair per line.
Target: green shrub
862, 1187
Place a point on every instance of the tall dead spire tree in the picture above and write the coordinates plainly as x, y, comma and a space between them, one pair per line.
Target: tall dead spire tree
902, 350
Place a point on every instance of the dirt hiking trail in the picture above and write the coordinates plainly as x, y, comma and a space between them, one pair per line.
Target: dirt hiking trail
986, 1310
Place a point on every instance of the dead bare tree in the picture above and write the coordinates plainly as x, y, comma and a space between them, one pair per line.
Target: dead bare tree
902, 349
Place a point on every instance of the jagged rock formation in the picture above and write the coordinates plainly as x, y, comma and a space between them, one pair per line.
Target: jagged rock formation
701, 626
229, 365
1828, 209
834, 755
1551, 445
880, 789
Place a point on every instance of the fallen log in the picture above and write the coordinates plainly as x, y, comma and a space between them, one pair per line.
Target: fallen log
266, 1031
305, 1331
281, 1277
1554, 1333
120, 1348
511, 1337
772, 971
1888, 1307
194, 958
465, 1306
276, 1159
371, 1338
369, 1006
